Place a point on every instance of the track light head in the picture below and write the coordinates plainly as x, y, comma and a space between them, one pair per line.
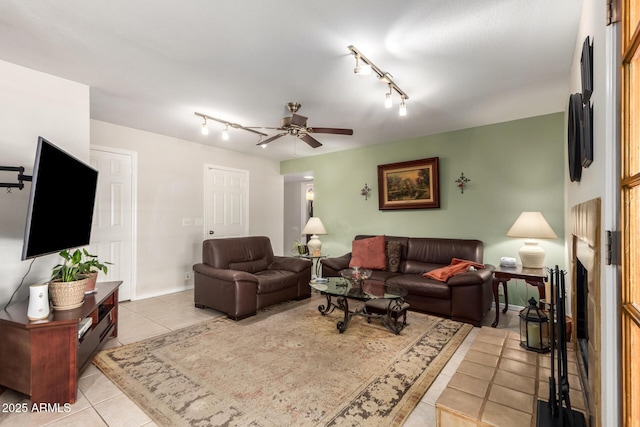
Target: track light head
388, 101
403, 107
363, 69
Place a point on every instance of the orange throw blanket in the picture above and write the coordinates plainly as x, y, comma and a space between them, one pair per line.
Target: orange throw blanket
457, 266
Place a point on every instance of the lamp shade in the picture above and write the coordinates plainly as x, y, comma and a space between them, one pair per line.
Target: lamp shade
531, 225
314, 226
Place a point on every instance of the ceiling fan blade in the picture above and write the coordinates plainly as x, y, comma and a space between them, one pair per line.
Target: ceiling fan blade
273, 138
264, 127
298, 120
336, 131
314, 143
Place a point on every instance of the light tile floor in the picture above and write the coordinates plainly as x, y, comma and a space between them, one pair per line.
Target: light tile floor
100, 403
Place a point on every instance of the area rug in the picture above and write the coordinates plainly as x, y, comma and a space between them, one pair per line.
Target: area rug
286, 366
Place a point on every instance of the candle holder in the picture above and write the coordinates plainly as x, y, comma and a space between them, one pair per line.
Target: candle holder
534, 328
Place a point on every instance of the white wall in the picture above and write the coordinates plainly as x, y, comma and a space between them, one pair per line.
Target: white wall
171, 187
600, 180
33, 104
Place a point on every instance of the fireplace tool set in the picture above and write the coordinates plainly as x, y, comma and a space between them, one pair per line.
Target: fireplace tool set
557, 411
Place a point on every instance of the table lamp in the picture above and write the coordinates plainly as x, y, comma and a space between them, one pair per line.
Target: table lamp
531, 225
314, 227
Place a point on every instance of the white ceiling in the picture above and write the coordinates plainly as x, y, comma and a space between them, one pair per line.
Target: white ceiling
152, 63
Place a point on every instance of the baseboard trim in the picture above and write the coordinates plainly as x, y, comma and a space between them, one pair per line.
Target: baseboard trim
162, 293
511, 307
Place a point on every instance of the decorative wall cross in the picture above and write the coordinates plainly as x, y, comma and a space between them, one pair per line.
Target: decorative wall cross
365, 191
461, 182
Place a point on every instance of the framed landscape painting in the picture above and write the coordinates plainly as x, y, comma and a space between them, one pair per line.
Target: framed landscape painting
409, 185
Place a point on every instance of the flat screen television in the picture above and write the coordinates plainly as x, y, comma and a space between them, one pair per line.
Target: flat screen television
61, 202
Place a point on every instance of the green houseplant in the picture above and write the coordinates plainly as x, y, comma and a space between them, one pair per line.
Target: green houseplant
299, 248
91, 266
68, 281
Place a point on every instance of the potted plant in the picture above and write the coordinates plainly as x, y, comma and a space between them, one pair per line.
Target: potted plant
299, 248
91, 266
68, 282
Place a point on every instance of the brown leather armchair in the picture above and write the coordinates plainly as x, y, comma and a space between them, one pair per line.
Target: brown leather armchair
238, 276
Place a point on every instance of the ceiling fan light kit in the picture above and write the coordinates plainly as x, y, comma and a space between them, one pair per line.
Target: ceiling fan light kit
384, 77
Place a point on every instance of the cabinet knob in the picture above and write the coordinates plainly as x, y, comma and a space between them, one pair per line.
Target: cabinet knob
211, 231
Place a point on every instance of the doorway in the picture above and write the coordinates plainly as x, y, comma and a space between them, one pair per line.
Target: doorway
298, 206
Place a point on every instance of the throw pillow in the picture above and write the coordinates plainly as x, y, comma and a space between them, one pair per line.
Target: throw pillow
394, 249
368, 253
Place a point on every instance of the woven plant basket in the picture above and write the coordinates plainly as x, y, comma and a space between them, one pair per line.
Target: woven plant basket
67, 295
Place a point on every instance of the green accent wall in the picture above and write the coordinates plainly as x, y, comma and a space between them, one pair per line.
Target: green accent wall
513, 167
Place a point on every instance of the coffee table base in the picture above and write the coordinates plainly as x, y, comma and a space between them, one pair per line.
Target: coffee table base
389, 311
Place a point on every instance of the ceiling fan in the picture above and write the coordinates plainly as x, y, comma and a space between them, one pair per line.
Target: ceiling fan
296, 125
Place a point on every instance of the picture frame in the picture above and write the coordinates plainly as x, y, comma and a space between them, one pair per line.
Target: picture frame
409, 185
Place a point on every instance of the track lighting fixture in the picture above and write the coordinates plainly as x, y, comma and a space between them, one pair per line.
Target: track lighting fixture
385, 77
205, 128
403, 108
225, 132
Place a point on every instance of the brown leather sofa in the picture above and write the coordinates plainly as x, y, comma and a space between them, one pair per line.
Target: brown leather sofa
465, 297
238, 276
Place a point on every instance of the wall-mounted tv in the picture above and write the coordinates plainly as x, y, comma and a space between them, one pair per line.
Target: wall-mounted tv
63, 193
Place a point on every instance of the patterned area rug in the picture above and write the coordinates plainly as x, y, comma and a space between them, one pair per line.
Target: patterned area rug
286, 366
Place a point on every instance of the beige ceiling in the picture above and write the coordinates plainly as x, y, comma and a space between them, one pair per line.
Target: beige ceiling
152, 63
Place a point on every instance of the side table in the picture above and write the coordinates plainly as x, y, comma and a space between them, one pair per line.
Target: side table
531, 276
315, 260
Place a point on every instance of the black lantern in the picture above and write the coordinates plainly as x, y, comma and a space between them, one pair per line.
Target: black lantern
534, 328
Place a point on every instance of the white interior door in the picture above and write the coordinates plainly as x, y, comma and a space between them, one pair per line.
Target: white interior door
112, 232
226, 202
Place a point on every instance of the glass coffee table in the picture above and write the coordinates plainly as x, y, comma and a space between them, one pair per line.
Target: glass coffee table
384, 302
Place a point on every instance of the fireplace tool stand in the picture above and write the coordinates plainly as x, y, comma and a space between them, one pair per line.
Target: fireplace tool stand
557, 411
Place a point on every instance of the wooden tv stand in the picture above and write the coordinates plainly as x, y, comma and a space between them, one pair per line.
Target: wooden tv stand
43, 358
